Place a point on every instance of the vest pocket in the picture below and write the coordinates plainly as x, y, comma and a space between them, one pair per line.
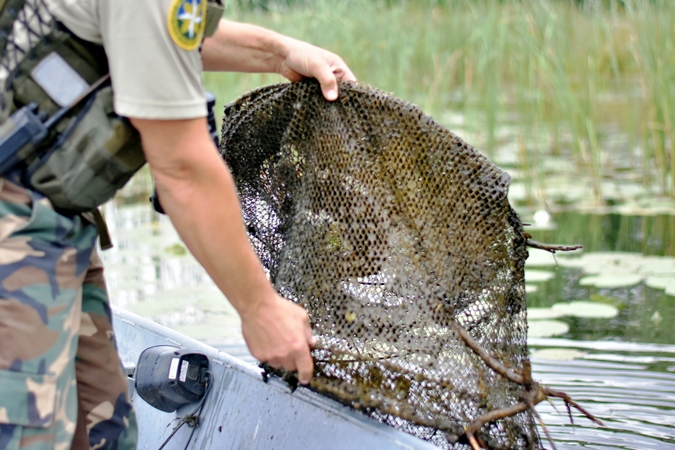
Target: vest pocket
91, 160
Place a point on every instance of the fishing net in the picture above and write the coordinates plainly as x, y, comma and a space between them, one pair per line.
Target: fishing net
399, 240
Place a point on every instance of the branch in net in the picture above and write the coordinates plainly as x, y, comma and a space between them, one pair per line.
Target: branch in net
552, 248
536, 393
491, 416
489, 360
568, 401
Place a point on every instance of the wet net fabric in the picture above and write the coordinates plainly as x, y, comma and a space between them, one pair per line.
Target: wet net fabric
389, 229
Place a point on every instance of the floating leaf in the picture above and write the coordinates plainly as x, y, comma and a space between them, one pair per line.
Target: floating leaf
558, 354
571, 262
531, 288
607, 300
543, 313
547, 328
534, 276
661, 266
611, 280
660, 282
539, 258
600, 262
587, 309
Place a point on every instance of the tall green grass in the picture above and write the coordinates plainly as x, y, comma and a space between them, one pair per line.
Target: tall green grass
594, 79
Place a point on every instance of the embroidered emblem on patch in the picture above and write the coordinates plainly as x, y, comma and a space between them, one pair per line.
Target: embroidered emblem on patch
187, 19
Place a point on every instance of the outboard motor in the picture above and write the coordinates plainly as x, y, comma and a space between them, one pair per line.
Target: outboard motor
169, 377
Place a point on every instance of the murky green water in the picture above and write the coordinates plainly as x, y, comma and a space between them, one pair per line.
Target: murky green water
622, 368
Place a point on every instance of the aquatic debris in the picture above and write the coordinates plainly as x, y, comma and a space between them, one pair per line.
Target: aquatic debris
586, 309
176, 249
656, 318
542, 218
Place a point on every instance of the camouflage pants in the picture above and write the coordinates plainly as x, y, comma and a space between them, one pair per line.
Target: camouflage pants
61, 384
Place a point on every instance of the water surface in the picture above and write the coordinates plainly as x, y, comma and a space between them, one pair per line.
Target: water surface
623, 370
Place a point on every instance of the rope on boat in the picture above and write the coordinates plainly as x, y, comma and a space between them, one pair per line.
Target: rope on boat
193, 419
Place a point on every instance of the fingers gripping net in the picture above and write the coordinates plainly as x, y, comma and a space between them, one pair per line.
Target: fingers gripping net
392, 232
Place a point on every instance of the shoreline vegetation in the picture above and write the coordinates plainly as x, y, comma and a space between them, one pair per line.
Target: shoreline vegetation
543, 87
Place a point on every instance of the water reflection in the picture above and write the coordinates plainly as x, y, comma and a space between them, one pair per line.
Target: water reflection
151, 273
630, 387
645, 314
648, 235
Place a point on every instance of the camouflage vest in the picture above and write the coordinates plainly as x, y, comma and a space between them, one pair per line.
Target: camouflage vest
92, 152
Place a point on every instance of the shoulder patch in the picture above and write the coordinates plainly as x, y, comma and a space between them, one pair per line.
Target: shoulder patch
186, 21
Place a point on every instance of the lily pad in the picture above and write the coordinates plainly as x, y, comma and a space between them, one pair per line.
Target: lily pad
543, 313
535, 276
660, 282
558, 354
587, 309
547, 328
531, 288
658, 270
611, 280
600, 262
539, 258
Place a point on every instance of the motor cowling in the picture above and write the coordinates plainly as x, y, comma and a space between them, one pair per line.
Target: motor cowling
169, 377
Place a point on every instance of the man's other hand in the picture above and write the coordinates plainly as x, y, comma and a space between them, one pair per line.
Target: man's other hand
241, 47
304, 60
278, 332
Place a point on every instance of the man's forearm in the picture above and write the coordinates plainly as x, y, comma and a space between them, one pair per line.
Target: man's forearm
240, 47
248, 48
198, 194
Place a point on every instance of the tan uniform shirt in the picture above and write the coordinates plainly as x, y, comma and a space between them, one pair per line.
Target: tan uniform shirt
152, 49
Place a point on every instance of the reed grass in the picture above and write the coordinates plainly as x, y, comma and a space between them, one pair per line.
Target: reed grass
591, 80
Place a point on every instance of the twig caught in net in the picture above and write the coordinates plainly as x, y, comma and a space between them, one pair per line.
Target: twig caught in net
552, 248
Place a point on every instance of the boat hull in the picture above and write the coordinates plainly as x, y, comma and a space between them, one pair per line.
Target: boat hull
244, 412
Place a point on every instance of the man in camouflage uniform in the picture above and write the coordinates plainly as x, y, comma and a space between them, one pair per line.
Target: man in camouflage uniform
61, 384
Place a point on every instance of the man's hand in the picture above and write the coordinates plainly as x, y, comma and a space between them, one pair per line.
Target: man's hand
198, 194
304, 60
240, 47
278, 332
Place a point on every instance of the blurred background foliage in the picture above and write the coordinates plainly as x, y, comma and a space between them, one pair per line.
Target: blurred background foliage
590, 83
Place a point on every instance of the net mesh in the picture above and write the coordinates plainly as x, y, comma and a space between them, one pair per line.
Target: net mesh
395, 235
24, 24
